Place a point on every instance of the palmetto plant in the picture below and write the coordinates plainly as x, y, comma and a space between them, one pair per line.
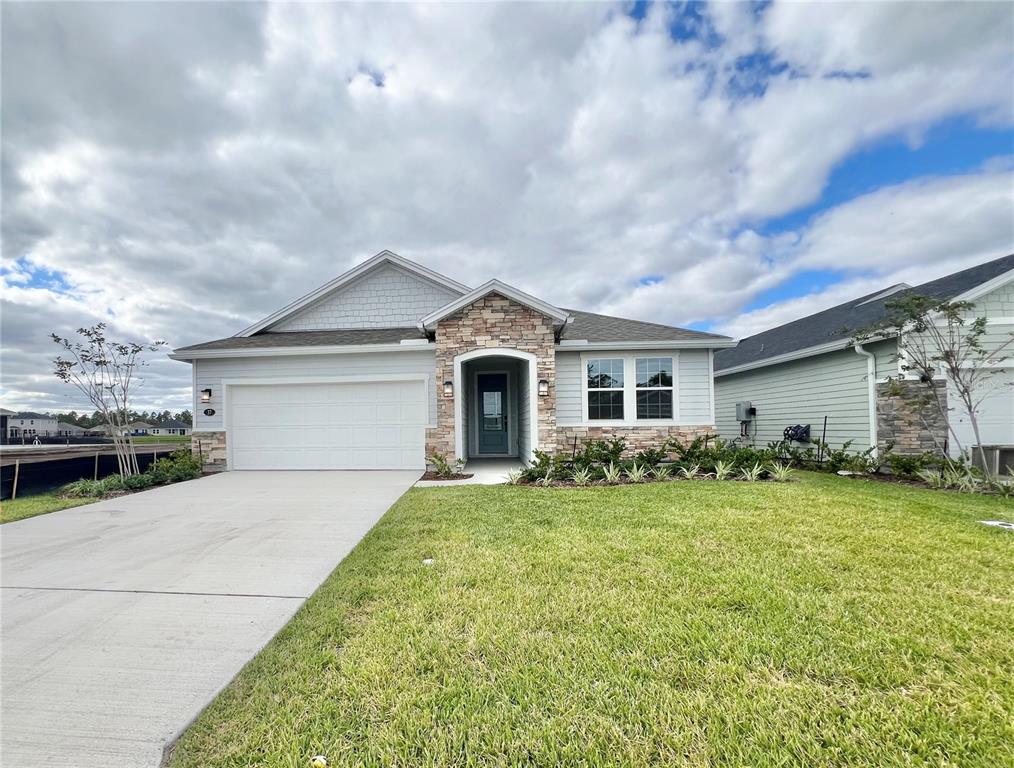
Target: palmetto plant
780, 473
611, 473
690, 472
546, 480
723, 470
662, 472
752, 474
581, 476
514, 477
636, 472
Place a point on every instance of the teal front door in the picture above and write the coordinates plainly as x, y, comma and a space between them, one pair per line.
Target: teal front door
492, 401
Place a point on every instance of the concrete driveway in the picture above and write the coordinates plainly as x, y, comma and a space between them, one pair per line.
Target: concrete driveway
122, 619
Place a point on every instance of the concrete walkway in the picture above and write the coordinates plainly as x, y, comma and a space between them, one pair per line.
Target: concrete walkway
482, 471
121, 620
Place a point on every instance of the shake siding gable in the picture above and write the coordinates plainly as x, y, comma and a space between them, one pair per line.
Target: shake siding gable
387, 297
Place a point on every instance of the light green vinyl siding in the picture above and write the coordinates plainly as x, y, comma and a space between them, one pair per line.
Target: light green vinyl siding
803, 392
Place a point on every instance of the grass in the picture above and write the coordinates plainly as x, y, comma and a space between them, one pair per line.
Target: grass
827, 622
40, 504
142, 439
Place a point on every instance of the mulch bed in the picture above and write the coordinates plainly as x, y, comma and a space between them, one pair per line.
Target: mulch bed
435, 476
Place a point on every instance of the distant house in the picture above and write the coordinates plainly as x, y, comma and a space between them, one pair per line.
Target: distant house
806, 370
171, 427
137, 428
65, 429
29, 425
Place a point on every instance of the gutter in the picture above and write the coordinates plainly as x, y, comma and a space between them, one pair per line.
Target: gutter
871, 389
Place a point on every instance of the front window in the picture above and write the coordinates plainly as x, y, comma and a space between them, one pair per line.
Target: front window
605, 388
654, 387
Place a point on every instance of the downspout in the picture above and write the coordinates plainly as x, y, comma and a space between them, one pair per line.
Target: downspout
871, 390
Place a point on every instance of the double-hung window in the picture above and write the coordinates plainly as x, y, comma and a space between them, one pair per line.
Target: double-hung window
605, 388
654, 387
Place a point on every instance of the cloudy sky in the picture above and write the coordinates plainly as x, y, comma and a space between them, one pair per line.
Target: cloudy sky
181, 170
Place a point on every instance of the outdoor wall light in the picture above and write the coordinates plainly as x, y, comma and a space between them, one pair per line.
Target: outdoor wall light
205, 395
448, 389
543, 387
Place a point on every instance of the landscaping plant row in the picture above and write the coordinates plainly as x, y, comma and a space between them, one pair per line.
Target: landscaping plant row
177, 466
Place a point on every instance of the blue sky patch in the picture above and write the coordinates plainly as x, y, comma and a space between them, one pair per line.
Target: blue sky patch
38, 277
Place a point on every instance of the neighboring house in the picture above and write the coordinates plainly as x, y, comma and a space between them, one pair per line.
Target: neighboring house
137, 428
66, 429
171, 427
803, 371
30, 425
391, 363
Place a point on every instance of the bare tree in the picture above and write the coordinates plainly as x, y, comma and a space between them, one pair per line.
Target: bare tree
105, 372
937, 338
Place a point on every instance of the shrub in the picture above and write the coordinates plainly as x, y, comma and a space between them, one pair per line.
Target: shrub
82, 489
581, 476
514, 477
780, 473
545, 464
662, 472
444, 467
723, 469
179, 465
752, 474
652, 457
636, 472
690, 471
910, 465
611, 473
600, 452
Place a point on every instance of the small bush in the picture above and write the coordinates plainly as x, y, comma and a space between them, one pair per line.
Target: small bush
636, 472
662, 472
514, 477
611, 473
652, 457
752, 474
910, 465
723, 469
444, 467
83, 489
690, 471
600, 452
581, 476
780, 473
179, 465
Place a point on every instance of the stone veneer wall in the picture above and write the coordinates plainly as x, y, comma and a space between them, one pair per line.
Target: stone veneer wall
493, 321
907, 420
638, 438
212, 446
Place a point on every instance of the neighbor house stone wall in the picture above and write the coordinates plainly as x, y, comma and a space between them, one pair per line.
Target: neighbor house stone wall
210, 445
637, 438
907, 417
493, 321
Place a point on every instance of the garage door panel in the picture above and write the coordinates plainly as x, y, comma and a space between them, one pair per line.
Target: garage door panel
361, 425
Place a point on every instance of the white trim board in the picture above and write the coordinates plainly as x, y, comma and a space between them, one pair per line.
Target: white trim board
580, 345
343, 349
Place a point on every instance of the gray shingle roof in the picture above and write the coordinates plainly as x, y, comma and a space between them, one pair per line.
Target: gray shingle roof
841, 322
173, 424
595, 328
271, 339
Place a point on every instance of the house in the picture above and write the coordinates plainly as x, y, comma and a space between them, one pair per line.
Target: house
808, 369
66, 429
137, 428
392, 362
171, 427
30, 425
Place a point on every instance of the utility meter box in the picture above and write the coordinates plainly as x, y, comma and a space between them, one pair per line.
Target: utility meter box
745, 411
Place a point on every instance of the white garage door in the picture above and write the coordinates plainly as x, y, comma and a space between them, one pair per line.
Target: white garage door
996, 414
361, 425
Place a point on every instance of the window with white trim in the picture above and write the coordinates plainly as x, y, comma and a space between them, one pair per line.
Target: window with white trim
604, 380
653, 387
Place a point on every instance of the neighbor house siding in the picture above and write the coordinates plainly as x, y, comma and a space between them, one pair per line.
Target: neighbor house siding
693, 379
211, 373
804, 392
385, 298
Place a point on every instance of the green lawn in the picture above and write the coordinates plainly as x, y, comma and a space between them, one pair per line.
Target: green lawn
40, 504
827, 622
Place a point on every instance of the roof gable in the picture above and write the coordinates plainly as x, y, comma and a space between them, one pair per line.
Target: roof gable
300, 314
837, 325
557, 315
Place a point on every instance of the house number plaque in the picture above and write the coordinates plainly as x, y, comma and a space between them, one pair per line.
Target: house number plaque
209, 411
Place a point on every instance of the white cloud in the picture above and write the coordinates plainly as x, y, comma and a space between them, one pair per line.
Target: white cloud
187, 170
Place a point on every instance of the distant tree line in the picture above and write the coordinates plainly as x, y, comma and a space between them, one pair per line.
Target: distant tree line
155, 418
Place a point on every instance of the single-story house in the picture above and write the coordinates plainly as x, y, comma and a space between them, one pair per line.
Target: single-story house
803, 371
30, 425
66, 429
137, 428
171, 427
392, 362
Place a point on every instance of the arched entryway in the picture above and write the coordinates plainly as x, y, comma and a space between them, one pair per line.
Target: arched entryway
495, 404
